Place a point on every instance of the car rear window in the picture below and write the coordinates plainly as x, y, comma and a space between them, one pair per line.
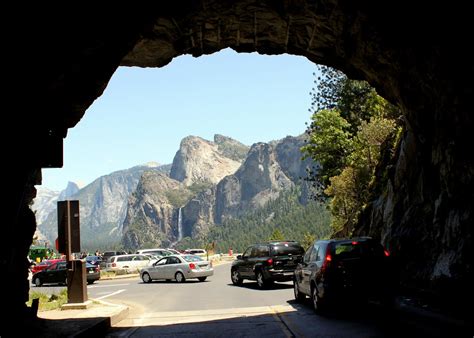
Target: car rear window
287, 249
357, 249
192, 258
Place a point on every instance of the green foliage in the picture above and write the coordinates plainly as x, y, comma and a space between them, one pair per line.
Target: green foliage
285, 213
308, 240
276, 235
330, 142
350, 123
178, 197
198, 187
350, 190
48, 302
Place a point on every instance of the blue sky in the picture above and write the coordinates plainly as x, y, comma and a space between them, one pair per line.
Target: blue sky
145, 112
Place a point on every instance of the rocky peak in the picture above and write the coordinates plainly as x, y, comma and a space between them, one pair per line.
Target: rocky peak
200, 161
231, 148
258, 180
71, 189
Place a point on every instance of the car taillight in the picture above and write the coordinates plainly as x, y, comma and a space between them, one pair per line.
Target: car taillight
386, 253
270, 261
327, 261
96, 269
192, 266
114, 265
355, 243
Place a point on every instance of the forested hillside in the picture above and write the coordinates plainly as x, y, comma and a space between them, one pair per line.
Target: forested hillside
284, 214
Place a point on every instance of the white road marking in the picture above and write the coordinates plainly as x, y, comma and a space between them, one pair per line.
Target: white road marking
111, 294
105, 286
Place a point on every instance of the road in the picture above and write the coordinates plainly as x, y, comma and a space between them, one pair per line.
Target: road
216, 308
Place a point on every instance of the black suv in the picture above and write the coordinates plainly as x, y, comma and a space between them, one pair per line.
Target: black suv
341, 269
267, 262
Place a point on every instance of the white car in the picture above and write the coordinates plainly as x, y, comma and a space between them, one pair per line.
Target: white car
129, 262
179, 268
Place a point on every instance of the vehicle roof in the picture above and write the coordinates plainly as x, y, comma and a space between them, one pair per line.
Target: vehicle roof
277, 242
336, 240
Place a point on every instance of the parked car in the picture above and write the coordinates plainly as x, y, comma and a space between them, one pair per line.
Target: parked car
107, 255
94, 260
173, 251
44, 265
158, 251
267, 263
130, 262
341, 269
200, 252
57, 273
179, 268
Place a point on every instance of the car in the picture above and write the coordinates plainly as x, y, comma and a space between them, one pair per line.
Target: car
44, 265
94, 260
178, 267
57, 273
267, 263
128, 262
158, 251
173, 251
200, 252
337, 270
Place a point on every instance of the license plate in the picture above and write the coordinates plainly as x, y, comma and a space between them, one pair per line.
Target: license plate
91, 271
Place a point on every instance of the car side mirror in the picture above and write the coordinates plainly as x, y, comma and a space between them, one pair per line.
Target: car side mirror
239, 256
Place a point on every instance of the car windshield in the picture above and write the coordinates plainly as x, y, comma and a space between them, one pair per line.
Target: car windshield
281, 249
192, 258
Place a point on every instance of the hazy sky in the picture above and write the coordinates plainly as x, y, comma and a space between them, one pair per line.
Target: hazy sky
145, 112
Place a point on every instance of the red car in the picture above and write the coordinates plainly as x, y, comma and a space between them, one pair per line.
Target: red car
44, 264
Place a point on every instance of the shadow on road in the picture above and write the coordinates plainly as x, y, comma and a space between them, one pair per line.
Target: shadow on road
254, 286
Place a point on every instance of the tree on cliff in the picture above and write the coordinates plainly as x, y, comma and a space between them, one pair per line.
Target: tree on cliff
349, 124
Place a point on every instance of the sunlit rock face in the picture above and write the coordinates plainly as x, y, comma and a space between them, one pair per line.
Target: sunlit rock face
415, 58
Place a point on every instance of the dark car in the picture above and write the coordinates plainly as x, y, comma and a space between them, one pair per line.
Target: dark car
107, 255
57, 274
267, 262
337, 270
94, 260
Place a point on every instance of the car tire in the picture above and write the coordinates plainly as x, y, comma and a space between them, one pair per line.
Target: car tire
38, 282
235, 277
299, 297
261, 281
202, 279
179, 277
316, 300
90, 282
146, 277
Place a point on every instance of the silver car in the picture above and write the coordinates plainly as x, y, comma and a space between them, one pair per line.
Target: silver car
178, 268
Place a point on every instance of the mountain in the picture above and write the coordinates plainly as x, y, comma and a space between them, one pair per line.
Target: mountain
71, 189
44, 203
207, 191
103, 204
202, 161
153, 210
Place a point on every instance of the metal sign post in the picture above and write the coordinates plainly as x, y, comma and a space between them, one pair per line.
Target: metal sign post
69, 241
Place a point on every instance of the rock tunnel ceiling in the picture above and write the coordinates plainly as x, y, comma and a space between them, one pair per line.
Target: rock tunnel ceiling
423, 210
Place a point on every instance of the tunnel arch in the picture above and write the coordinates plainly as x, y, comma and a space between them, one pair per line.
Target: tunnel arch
411, 59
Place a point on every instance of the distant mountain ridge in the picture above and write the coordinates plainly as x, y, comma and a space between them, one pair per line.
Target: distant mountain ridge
102, 206
206, 197
208, 184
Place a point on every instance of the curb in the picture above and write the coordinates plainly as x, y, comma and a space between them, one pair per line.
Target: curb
133, 275
100, 328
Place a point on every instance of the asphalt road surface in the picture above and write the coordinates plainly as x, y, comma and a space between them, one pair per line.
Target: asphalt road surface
216, 308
